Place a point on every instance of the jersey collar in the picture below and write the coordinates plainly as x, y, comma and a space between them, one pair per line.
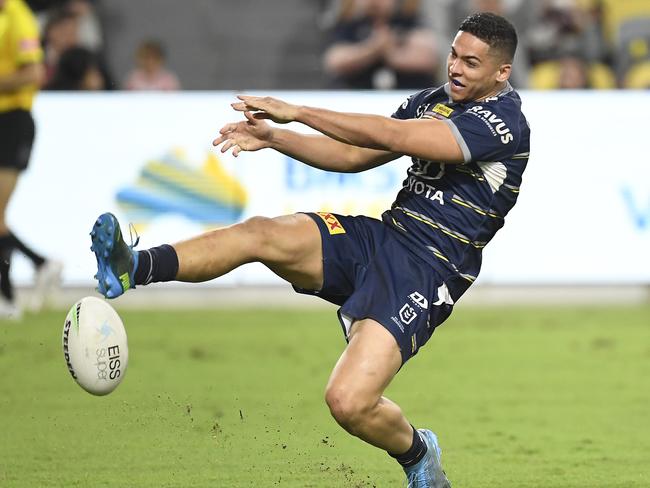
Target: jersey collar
506, 89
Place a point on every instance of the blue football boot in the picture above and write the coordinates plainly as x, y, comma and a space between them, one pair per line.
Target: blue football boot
116, 260
428, 472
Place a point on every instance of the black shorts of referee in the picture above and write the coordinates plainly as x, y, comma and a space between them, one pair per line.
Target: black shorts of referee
16, 138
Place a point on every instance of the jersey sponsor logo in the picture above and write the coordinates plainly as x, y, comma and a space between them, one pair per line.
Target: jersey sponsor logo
418, 187
496, 124
443, 110
333, 224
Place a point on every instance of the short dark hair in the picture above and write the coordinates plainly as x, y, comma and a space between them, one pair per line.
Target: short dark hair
496, 31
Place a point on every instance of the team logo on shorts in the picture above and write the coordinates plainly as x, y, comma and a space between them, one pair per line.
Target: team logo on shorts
419, 299
407, 314
333, 224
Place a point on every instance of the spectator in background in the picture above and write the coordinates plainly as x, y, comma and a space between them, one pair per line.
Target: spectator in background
89, 30
78, 69
567, 46
151, 73
561, 26
573, 73
21, 73
61, 32
73, 25
381, 44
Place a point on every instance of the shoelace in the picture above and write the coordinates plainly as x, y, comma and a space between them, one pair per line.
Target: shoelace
132, 230
419, 477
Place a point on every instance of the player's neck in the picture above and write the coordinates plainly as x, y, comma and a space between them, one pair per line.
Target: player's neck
494, 92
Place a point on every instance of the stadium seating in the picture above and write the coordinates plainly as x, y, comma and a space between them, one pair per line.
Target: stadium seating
546, 76
638, 76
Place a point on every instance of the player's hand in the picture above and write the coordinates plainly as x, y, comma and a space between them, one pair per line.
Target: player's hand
249, 135
267, 108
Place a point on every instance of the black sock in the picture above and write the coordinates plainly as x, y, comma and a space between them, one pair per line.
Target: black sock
6, 248
156, 264
415, 453
35, 258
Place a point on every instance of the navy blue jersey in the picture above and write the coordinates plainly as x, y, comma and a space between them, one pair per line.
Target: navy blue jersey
449, 212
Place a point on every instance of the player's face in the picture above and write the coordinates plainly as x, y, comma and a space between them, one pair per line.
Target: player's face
474, 73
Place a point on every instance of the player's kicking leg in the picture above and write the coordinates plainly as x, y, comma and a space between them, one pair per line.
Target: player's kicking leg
355, 397
290, 246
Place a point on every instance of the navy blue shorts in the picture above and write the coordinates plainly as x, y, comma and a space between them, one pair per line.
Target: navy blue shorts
372, 274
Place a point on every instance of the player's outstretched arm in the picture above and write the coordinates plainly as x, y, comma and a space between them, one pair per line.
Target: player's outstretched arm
428, 139
317, 151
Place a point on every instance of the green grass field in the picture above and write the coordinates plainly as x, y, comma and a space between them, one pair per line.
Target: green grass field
519, 397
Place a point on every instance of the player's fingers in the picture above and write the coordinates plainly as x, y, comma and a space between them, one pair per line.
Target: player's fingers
239, 106
236, 150
261, 116
250, 117
227, 146
227, 128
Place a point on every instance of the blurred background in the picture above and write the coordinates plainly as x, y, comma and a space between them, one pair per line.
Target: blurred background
321, 44
162, 74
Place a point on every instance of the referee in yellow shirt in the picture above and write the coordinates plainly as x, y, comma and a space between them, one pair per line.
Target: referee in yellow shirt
21, 74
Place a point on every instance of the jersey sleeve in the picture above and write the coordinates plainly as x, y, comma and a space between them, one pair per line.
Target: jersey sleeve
487, 133
408, 109
403, 110
27, 42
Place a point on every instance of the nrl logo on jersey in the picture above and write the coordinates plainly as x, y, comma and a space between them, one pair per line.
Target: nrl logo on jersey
496, 123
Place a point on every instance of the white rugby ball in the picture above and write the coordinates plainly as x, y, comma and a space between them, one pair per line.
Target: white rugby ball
94, 345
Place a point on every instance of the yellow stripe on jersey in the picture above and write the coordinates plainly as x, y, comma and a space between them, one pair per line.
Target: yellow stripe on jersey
19, 45
435, 225
476, 208
438, 254
464, 169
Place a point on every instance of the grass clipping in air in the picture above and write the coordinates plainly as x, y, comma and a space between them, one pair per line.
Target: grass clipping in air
519, 397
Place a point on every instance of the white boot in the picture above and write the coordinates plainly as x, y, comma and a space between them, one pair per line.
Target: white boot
9, 310
47, 279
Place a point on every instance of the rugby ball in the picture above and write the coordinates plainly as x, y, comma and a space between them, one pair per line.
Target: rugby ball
94, 345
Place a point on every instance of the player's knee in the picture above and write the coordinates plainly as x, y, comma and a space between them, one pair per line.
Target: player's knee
258, 231
349, 410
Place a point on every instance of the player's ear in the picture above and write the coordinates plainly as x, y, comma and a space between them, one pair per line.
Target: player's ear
504, 72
